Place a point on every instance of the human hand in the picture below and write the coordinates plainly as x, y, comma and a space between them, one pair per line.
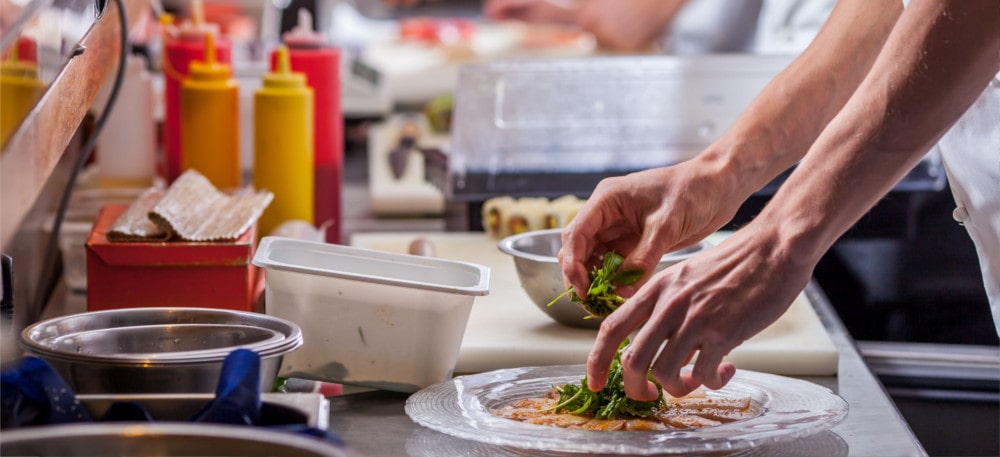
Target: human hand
708, 304
537, 11
646, 214
627, 28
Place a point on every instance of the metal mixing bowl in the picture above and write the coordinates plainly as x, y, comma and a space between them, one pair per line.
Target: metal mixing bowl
161, 439
538, 269
157, 350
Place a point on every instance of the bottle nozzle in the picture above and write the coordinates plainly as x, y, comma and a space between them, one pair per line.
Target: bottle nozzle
303, 35
305, 21
282, 75
283, 65
210, 58
197, 12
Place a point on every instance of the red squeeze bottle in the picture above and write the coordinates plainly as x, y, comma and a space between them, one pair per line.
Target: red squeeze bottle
185, 45
321, 64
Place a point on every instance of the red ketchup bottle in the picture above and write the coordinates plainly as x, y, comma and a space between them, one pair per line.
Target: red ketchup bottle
182, 45
321, 64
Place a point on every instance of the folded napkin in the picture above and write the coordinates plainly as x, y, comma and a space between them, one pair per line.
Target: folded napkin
191, 209
135, 225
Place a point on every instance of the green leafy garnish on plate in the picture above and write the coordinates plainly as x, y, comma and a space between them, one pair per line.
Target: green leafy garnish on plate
609, 403
601, 299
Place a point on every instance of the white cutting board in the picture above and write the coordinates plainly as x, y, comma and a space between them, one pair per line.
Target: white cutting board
506, 329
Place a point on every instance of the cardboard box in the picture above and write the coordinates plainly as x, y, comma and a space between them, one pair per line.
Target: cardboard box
172, 273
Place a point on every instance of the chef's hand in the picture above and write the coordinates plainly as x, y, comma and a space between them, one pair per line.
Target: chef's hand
538, 11
707, 304
647, 214
627, 26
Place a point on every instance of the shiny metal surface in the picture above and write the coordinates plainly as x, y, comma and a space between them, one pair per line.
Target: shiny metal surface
157, 350
534, 255
151, 341
374, 422
161, 439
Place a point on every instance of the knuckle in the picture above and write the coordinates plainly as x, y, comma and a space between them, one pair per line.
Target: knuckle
632, 363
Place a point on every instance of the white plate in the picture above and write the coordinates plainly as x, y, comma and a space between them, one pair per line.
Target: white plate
791, 409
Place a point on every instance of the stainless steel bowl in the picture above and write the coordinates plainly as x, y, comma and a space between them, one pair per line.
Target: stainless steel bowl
538, 269
157, 350
161, 439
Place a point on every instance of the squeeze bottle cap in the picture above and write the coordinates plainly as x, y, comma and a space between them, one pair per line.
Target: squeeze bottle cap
196, 27
209, 69
14, 67
282, 76
303, 35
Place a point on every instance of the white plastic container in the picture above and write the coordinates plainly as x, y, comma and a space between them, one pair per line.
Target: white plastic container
369, 318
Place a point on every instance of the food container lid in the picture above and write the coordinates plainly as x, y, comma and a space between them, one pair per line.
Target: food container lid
372, 266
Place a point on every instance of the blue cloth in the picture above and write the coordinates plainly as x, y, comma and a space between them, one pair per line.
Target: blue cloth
34, 394
237, 395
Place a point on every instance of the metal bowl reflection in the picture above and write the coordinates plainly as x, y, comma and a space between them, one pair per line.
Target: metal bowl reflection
161, 439
535, 258
157, 350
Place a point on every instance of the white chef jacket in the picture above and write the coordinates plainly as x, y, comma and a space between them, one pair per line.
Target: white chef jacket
970, 152
745, 26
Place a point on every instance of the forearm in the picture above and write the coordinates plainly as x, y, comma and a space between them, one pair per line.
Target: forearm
938, 59
776, 130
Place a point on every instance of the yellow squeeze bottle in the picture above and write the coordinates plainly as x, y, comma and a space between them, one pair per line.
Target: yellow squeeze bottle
20, 89
210, 120
283, 144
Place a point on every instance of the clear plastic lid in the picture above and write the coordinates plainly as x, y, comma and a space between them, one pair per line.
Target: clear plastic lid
593, 116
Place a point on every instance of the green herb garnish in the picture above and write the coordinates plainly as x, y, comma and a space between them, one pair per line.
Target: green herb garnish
609, 403
601, 299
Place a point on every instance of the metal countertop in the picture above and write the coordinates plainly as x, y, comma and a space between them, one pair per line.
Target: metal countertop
374, 422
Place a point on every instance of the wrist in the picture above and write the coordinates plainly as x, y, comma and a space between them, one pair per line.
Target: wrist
744, 163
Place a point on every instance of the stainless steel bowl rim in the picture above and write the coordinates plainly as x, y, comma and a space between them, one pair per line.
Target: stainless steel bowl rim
276, 340
293, 339
507, 245
161, 363
177, 430
180, 358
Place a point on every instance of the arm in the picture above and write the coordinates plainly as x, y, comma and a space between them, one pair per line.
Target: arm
647, 214
622, 27
936, 62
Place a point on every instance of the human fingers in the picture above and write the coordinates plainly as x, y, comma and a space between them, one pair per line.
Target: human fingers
505, 9
666, 369
709, 370
614, 329
660, 324
578, 244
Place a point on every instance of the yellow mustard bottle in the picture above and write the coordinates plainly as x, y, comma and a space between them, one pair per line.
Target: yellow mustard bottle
283, 144
20, 89
210, 120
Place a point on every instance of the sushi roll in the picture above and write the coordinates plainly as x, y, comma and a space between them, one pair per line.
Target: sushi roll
493, 215
562, 210
527, 215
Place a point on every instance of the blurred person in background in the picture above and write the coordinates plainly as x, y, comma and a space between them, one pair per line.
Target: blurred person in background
679, 27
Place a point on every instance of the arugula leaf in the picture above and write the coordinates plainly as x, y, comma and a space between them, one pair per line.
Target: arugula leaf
601, 299
609, 403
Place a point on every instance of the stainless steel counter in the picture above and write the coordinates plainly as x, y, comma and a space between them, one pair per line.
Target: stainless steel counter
374, 422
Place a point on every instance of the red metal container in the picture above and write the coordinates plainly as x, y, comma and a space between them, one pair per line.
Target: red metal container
172, 273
